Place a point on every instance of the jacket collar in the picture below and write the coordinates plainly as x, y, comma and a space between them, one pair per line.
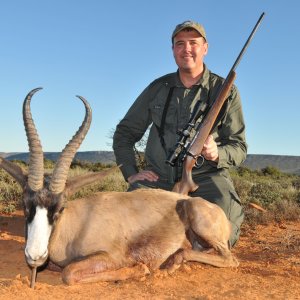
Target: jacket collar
203, 81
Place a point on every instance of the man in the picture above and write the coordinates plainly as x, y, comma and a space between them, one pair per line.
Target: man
167, 104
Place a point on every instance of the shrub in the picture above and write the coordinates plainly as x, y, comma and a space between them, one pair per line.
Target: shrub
285, 210
244, 171
81, 164
48, 164
243, 188
113, 182
10, 193
296, 183
265, 193
93, 167
277, 192
272, 171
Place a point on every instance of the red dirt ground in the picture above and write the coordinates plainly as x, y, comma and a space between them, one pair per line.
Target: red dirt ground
269, 269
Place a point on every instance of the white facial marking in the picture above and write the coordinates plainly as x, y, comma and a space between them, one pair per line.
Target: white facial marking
38, 234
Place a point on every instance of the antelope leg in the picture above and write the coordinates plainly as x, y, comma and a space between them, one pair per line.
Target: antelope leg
216, 260
101, 267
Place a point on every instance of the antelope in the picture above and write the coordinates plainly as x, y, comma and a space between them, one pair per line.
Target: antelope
110, 235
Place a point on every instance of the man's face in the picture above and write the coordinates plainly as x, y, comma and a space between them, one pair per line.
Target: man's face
189, 49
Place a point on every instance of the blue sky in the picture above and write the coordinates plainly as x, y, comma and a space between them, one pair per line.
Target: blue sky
109, 51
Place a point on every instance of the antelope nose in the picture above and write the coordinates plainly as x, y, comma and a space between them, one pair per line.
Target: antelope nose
37, 260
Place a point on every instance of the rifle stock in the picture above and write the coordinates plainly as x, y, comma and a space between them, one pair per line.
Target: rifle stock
186, 184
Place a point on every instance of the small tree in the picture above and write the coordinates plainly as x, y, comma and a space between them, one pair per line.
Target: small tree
138, 148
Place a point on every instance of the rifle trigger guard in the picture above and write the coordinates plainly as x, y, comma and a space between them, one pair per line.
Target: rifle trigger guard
196, 158
198, 164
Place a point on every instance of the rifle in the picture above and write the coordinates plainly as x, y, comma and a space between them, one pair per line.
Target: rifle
189, 152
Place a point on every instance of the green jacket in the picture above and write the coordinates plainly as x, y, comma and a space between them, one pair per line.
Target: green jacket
229, 133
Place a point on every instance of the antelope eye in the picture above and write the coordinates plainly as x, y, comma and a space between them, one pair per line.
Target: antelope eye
29, 212
57, 213
53, 213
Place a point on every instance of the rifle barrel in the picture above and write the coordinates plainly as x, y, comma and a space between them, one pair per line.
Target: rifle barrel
247, 42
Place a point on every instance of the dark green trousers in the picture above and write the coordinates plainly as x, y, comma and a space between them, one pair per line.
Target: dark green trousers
216, 187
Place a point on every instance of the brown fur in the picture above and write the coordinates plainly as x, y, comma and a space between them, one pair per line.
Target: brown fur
115, 230
119, 235
115, 235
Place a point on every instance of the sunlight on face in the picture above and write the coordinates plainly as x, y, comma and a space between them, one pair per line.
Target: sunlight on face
189, 50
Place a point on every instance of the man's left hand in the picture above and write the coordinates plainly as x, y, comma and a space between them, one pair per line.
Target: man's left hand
210, 149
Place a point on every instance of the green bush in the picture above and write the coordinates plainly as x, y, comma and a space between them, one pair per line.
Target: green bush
48, 164
10, 193
113, 182
265, 193
93, 167
271, 171
276, 192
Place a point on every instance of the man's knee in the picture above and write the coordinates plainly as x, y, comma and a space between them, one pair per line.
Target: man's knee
236, 217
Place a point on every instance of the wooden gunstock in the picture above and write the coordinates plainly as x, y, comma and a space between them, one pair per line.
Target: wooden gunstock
186, 184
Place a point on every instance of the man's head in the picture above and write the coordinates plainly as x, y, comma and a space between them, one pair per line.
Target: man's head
189, 47
189, 25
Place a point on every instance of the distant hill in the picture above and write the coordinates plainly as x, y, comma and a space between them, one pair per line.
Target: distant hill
5, 154
287, 164
104, 157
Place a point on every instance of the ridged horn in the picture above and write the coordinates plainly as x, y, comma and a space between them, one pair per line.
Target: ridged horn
36, 157
60, 172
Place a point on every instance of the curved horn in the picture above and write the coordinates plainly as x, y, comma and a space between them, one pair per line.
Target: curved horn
60, 172
36, 157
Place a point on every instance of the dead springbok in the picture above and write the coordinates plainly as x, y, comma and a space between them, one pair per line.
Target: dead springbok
111, 235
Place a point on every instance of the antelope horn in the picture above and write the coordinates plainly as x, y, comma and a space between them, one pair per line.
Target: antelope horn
60, 172
36, 157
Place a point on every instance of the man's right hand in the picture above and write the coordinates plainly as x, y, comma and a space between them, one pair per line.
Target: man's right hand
143, 175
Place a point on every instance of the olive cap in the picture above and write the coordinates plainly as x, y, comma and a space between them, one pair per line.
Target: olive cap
189, 24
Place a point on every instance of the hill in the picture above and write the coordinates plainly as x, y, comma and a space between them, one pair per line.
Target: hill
5, 154
104, 157
284, 163
287, 164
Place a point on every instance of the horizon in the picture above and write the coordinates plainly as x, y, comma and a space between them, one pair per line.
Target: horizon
46, 152
110, 55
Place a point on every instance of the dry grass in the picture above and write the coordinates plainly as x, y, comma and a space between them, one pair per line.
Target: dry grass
10, 193
113, 182
277, 193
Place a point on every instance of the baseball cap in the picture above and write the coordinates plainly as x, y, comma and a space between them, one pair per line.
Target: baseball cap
189, 24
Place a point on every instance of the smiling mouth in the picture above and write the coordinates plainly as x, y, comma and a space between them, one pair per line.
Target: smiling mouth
187, 57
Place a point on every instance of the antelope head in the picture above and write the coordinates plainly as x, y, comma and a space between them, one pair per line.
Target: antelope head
43, 196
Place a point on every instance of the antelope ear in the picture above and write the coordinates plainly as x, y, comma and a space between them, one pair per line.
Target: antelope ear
15, 171
76, 183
